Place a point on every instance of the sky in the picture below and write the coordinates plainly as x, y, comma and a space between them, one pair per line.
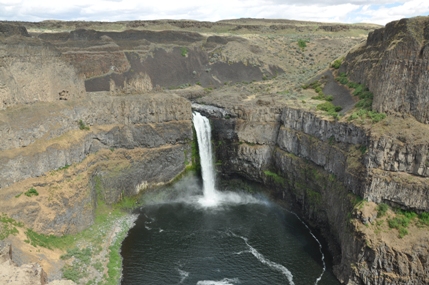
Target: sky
352, 11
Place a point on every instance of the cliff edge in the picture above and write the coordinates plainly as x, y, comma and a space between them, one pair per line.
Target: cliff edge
394, 64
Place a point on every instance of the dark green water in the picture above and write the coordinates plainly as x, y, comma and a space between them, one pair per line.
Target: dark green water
243, 240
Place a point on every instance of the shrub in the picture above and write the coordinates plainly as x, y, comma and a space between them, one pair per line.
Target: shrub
31, 192
302, 44
382, 209
424, 218
183, 51
82, 125
330, 108
336, 64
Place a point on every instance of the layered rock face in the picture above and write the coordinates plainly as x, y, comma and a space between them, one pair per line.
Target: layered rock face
74, 149
324, 166
145, 137
32, 71
393, 64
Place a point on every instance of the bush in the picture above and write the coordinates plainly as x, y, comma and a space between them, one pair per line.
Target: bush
382, 209
302, 44
183, 51
424, 218
31, 192
82, 125
330, 108
337, 63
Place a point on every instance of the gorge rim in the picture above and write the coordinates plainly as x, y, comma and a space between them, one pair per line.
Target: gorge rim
329, 120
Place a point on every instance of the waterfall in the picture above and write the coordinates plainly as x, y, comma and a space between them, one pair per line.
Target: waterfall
203, 130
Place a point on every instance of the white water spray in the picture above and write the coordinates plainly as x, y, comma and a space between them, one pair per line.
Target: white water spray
203, 130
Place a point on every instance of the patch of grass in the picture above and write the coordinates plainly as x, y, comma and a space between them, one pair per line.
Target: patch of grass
382, 209
184, 51
401, 222
82, 126
31, 192
275, 177
424, 218
18, 195
126, 203
8, 226
84, 255
114, 267
46, 241
73, 272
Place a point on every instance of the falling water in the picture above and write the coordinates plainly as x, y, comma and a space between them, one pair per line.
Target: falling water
203, 130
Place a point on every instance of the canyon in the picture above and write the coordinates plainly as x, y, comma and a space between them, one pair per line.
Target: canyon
95, 113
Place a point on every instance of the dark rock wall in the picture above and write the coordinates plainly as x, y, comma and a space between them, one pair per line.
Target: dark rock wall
393, 64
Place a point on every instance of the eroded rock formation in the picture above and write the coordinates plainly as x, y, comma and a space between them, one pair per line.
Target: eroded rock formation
393, 63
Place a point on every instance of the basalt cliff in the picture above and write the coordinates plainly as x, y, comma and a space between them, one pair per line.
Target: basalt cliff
95, 113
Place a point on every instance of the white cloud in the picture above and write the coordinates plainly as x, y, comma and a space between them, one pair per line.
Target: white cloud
374, 11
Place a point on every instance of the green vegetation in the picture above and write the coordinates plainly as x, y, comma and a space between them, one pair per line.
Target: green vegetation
302, 44
82, 126
424, 219
46, 241
401, 221
8, 226
64, 167
31, 192
315, 197
336, 64
381, 210
82, 259
114, 266
275, 177
184, 51
330, 108
364, 105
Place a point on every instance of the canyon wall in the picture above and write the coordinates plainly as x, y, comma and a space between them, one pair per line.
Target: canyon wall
128, 144
393, 63
322, 167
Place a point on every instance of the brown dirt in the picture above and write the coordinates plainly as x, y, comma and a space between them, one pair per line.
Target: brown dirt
378, 232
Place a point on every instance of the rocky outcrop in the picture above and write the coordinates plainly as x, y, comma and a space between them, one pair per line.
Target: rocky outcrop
393, 64
26, 274
32, 71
